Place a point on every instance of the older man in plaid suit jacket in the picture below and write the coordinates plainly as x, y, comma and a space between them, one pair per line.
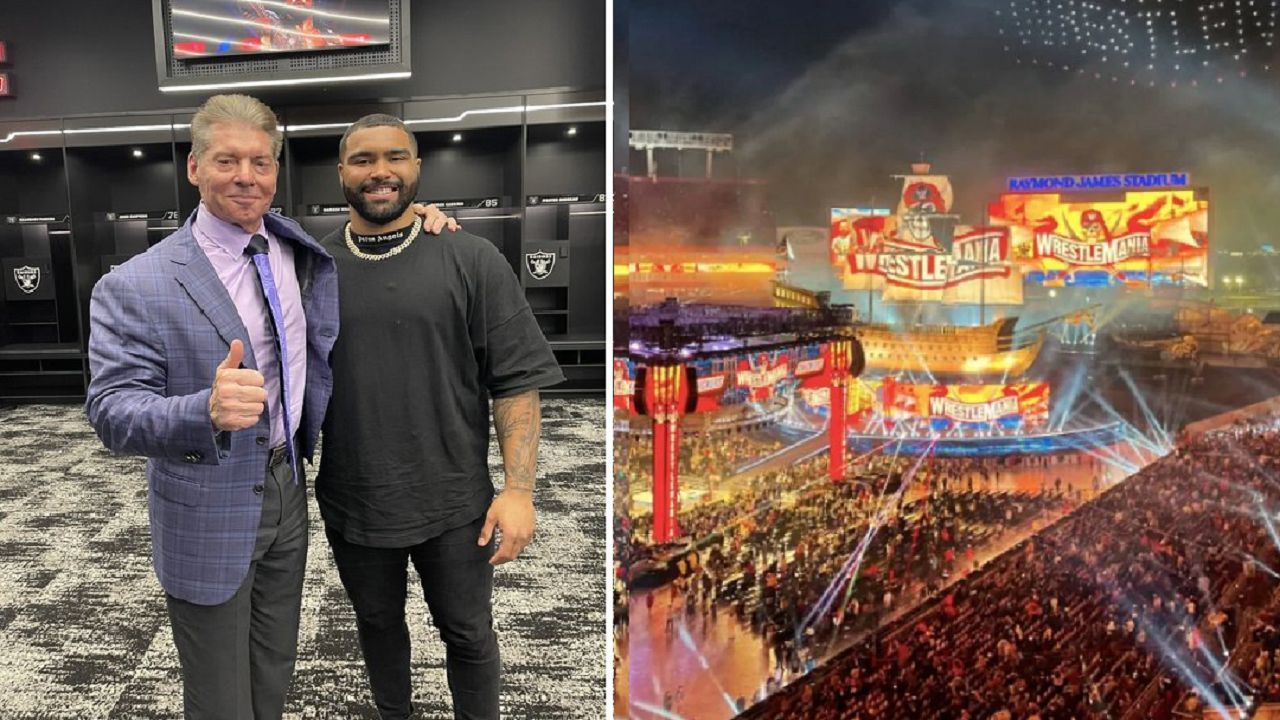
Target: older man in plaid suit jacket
213, 364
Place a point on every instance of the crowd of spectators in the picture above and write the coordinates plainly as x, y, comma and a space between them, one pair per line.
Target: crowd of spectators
771, 553
713, 455
700, 519
1262, 656
783, 566
1131, 601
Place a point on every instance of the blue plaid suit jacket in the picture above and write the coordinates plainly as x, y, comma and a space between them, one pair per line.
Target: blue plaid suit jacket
159, 325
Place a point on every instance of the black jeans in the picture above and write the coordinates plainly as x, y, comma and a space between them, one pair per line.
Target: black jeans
457, 583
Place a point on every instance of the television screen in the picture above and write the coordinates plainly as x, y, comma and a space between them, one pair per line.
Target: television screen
1136, 239
207, 28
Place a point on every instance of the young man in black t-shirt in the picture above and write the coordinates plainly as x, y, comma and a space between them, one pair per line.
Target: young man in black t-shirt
432, 327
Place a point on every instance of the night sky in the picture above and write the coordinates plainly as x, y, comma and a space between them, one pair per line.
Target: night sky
715, 61
827, 99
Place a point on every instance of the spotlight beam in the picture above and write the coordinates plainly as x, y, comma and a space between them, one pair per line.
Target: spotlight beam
687, 641
853, 563
1146, 409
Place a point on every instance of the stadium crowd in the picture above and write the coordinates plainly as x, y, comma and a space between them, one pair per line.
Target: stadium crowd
1121, 603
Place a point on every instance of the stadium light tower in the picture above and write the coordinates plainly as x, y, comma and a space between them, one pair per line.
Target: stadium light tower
650, 140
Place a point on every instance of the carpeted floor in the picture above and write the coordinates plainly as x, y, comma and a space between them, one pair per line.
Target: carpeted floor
83, 632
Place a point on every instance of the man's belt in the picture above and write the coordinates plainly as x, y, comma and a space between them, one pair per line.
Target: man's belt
278, 455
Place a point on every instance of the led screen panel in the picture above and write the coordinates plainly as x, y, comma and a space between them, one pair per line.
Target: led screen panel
209, 28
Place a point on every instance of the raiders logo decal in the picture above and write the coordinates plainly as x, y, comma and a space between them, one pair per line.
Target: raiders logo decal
27, 277
540, 264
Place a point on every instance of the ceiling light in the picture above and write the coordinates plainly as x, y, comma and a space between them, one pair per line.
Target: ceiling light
282, 83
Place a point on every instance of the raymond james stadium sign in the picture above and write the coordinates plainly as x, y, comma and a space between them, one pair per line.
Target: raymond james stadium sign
1126, 181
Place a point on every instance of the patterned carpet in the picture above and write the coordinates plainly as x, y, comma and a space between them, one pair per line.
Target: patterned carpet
83, 631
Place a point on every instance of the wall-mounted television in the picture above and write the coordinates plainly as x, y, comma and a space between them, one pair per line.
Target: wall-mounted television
203, 45
204, 28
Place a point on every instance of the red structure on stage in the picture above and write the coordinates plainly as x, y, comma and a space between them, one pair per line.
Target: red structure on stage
666, 392
841, 354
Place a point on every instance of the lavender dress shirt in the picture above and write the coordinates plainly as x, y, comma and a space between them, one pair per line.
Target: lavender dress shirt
224, 243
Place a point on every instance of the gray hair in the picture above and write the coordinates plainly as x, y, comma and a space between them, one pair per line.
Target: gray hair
376, 120
241, 109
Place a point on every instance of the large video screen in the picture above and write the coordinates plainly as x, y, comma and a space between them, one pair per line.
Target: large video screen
205, 28
1141, 239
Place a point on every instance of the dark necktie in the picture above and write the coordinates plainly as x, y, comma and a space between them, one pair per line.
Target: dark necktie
257, 251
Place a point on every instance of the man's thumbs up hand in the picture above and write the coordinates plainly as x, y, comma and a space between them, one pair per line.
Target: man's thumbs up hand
238, 397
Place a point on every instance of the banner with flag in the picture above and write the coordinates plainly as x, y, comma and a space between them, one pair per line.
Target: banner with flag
712, 381
624, 384
854, 229
985, 273
914, 227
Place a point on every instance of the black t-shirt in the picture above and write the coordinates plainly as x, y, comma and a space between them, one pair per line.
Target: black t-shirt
426, 338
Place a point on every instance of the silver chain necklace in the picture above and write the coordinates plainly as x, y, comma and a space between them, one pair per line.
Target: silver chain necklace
374, 257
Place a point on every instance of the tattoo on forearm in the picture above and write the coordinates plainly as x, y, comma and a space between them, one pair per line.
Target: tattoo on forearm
518, 420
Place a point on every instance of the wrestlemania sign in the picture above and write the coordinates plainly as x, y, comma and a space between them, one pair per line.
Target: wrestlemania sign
978, 253
1157, 237
760, 375
919, 253
1023, 404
